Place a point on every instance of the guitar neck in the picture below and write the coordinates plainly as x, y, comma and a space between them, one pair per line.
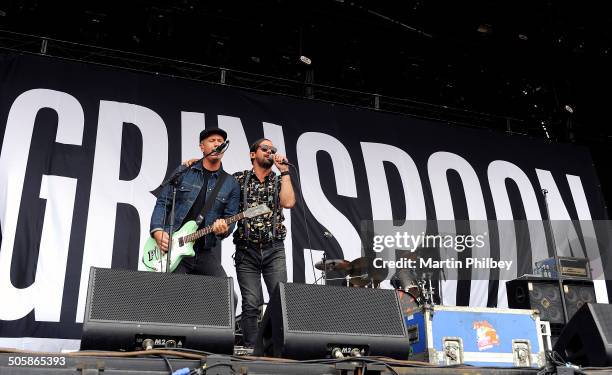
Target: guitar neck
206, 230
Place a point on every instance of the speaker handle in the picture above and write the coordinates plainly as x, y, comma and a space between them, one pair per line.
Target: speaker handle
520, 294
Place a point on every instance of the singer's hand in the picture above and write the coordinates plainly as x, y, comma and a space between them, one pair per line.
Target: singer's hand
161, 238
220, 227
278, 160
189, 162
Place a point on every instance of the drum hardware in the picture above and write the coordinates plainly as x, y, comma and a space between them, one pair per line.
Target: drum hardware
427, 291
409, 303
361, 273
364, 274
328, 265
356, 273
332, 265
418, 286
348, 279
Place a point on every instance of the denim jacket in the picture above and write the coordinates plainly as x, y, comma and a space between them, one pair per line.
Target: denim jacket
188, 187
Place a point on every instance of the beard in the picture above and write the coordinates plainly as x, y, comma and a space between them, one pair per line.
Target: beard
266, 163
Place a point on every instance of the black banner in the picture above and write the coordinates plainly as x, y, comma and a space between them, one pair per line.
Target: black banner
84, 145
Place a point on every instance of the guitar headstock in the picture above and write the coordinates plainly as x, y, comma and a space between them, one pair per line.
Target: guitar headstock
258, 210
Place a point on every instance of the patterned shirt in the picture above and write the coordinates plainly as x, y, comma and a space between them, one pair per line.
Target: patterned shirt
259, 229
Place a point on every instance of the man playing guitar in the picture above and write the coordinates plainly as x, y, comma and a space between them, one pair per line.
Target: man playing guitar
194, 187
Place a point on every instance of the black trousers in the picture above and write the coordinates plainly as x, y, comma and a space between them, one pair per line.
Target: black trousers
251, 264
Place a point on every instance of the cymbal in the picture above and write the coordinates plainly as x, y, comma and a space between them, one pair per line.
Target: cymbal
359, 266
340, 265
362, 272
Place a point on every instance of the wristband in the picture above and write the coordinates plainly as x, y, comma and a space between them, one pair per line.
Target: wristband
285, 173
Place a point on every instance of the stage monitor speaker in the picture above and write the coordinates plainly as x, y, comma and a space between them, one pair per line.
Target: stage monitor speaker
587, 339
321, 321
543, 295
132, 310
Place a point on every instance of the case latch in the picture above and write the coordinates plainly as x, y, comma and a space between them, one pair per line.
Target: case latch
453, 350
521, 353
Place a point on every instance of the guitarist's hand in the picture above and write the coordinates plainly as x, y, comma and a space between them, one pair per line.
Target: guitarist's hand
161, 238
220, 227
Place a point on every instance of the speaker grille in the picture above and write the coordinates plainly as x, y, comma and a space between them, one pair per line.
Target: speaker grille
578, 295
357, 311
546, 298
150, 297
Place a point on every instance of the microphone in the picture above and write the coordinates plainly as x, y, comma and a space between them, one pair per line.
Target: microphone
283, 162
219, 149
222, 147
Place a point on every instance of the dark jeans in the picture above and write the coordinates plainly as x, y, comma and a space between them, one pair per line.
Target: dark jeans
252, 263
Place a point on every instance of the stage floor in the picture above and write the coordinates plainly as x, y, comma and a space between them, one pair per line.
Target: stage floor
106, 363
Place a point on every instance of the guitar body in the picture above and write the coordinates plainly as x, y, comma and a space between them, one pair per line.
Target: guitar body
153, 259
183, 239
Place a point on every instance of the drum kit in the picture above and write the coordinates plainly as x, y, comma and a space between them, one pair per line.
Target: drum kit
413, 290
355, 273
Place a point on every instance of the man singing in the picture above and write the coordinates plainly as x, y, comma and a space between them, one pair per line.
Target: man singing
194, 188
259, 241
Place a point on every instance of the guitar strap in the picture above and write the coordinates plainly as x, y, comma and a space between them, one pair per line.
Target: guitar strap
210, 198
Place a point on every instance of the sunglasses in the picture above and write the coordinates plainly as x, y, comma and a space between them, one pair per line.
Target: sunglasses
265, 148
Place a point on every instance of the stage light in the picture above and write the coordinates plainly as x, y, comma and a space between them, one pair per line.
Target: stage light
305, 60
568, 108
543, 123
484, 28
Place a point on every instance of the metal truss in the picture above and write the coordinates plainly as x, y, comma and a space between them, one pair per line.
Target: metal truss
53, 48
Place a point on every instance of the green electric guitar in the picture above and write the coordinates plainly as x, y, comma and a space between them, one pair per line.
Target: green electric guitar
183, 239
